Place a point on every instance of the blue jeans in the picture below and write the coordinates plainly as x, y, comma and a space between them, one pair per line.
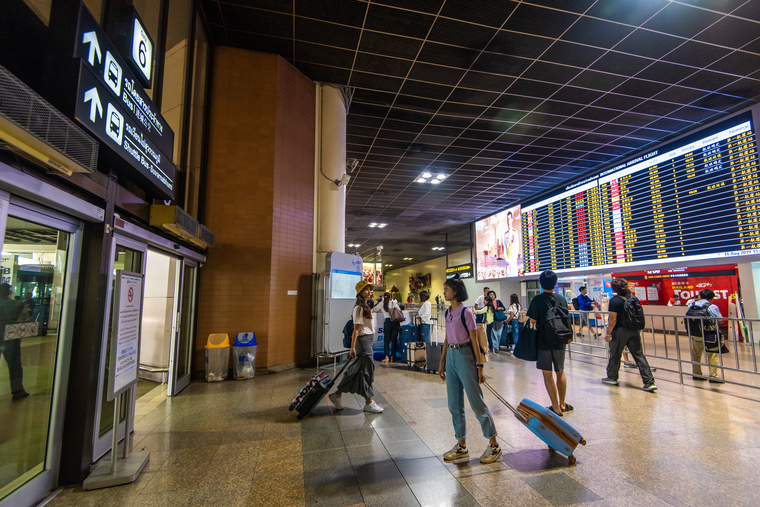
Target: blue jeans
461, 378
494, 336
424, 335
516, 328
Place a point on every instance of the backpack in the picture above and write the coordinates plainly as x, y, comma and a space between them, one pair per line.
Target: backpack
633, 313
522, 316
695, 326
558, 319
348, 333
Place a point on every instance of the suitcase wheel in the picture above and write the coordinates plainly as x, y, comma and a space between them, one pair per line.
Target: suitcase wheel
571, 459
290, 408
582, 441
299, 417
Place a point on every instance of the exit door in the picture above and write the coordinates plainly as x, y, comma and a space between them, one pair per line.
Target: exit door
181, 351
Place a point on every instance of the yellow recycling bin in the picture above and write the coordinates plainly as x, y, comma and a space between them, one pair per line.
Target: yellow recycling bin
217, 357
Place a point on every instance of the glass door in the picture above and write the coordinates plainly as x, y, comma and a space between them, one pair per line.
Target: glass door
40, 255
180, 366
128, 255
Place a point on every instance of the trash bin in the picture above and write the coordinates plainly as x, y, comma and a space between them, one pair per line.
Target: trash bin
244, 354
217, 357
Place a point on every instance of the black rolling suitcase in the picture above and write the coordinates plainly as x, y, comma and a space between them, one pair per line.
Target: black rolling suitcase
434, 353
312, 393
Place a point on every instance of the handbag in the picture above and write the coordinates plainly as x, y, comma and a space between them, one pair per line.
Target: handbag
397, 315
526, 347
499, 315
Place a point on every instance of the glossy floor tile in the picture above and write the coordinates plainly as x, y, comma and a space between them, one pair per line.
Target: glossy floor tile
236, 444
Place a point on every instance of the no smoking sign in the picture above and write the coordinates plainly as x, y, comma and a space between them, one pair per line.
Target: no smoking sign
131, 294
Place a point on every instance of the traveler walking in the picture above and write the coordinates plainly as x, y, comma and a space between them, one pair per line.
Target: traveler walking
360, 374
513, 319
462, 368
705, 335
549, 312
624, 330
390, 329
10, 310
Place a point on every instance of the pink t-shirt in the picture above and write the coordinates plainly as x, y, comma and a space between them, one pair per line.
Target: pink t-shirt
455, 331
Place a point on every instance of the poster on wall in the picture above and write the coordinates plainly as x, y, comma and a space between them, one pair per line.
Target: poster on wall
373, 273
498, 243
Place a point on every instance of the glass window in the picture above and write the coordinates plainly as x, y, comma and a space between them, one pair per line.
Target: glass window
197, 110
31, 297
175, 69
149, 11
128, 260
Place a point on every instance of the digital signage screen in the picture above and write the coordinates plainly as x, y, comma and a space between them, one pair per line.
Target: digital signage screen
695, 198
499, 245
344, 284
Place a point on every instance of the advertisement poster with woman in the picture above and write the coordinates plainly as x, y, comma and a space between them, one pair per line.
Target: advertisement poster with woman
498, 241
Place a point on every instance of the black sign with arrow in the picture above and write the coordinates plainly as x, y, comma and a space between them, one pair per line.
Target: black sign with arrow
100, 55
106, 116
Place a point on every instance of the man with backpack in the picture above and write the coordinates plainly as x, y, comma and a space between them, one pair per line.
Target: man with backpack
549, 313
624, 329
705, 335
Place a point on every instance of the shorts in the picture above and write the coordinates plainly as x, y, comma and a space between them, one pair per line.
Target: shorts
547, 358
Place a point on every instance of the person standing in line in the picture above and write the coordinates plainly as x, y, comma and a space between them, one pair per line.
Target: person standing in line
619, 337
551, 349
512, 319
425, 314
390, 329
586, 305
710, 334
461, 368
481, 299
498, 328
360, 375
10, 310
484, 321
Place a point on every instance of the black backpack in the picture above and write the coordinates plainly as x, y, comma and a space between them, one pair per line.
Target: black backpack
695, 326
633, 313
559, 320
348, 333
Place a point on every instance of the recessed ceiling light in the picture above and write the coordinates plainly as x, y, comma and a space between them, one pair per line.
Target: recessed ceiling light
381, 225
407, 258
422, 180
441, 176
373, 224
427, 175
435, 182
388, 265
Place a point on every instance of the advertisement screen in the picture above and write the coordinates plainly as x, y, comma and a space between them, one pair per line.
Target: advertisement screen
344, 284
499, 247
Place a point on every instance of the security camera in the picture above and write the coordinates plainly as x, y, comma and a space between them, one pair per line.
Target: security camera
343, 181
351, 165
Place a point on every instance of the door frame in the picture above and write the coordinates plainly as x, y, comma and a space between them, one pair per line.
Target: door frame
37, 487
178, 384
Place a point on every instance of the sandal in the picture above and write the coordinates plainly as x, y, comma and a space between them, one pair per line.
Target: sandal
552, 410
385, 361
568, 408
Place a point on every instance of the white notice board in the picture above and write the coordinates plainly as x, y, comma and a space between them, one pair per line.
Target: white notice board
125, 338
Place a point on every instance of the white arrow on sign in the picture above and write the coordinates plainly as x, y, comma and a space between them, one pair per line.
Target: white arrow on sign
95, 106
92, 39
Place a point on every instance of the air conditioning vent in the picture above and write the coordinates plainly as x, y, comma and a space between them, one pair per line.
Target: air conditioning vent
174, 219
205, 235
30, 126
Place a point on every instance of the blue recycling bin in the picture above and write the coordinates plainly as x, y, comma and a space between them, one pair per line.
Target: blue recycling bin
244, 353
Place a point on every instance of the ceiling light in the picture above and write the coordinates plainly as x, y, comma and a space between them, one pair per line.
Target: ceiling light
435, 182
441, 177
373, 224
381, 225
427, 175
388, 265
407, 258
422, 180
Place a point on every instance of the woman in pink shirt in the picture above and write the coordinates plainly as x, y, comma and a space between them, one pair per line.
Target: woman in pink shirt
462, 369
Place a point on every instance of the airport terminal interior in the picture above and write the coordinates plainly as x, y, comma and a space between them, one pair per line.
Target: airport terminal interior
243, 243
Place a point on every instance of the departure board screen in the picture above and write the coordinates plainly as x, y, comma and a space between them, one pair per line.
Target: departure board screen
695, 198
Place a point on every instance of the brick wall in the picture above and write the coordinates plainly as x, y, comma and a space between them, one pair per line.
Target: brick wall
260, 205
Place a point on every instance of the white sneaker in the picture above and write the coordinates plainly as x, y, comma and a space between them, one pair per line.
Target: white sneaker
491, 454
456, 453
335, 398
373, 407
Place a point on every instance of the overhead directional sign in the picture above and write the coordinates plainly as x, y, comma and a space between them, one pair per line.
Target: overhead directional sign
106, 116
141, 54
93, 47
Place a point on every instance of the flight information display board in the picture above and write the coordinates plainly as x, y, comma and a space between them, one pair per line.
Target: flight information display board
691, 199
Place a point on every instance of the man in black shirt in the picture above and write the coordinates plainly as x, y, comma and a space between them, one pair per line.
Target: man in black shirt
11, 349
551, 350
620, 336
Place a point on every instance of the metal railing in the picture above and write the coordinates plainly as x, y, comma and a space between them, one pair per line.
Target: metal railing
666, 339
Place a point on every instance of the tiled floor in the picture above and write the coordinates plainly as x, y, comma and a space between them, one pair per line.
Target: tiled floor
236, 444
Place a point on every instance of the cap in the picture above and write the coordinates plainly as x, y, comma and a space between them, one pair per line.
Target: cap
360, 286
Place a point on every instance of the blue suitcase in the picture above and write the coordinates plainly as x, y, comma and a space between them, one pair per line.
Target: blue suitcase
546, 425
407, 334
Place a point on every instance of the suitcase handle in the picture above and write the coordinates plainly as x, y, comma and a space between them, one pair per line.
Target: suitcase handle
521, 416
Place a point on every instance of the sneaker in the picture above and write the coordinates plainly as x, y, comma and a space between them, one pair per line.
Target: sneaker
491, 454
610, 381
335, 398
373, 407
456, 452
19, 395
713, 380
650, 388
628, 364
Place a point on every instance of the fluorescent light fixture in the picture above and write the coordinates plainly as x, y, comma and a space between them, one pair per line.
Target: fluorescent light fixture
441, 177
422, 180
373, 224
388, 265
381, 225
427, 175
435, 182
407, 258
438, 248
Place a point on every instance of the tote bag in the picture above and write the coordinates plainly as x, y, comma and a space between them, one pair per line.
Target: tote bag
526, 348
